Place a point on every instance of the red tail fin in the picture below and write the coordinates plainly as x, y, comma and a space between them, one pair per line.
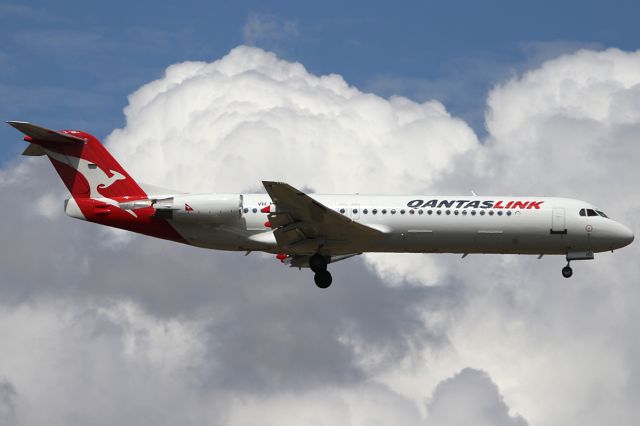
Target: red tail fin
83, 163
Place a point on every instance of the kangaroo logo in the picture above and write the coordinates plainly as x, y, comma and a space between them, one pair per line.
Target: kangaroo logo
95, 176
115, 176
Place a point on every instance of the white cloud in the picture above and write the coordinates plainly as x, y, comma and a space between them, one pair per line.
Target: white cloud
189, 334
49, 204
469, 397
250, 116
98, 365
558, 349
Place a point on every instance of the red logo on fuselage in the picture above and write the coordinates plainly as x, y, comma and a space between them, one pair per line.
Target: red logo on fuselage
187, 207
476, 204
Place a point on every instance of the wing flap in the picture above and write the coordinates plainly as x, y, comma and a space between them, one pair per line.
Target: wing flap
280, 219
289, 235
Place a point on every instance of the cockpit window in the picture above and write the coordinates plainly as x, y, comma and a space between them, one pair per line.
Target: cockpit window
601, 213
583, 212
591, 212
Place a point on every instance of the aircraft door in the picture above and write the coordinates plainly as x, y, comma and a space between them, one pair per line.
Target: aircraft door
558, 222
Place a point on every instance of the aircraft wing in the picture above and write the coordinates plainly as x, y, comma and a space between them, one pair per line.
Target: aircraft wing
299, 221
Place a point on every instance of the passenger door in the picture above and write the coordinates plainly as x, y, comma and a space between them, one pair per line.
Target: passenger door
557, 221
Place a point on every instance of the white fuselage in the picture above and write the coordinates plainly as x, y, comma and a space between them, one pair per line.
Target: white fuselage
427, 224
313, 230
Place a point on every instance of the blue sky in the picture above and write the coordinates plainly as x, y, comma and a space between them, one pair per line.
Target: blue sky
71, 64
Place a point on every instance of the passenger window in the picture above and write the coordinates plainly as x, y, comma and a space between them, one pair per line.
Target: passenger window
499, 212
448, 212
430, 212
342, 211
374, 211
508, 212
365, 211
464, 212
402, 211
481, 212
384, 211
439, 212
473, 212
455, 212
254, 210
420, 211
393, 211
490, 212
354, 211
246, 210
411, 211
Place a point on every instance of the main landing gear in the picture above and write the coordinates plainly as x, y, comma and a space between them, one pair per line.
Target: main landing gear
318, 265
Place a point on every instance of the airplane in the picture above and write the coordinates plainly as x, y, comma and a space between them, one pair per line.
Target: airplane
315, 230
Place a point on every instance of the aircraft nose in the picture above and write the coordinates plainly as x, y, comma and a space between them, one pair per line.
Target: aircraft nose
623, 235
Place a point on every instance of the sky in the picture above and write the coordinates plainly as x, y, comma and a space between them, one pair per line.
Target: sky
103, 327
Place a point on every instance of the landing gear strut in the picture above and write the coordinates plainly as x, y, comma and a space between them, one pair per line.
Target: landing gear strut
318, 265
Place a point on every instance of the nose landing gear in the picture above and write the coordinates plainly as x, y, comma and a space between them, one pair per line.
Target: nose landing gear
318, 265
575, 255
567, 271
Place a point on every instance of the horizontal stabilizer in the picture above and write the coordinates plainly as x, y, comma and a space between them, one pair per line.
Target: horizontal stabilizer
33, 150
37, 133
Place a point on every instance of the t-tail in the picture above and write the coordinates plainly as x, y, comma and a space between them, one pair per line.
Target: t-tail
83, 163
101, 190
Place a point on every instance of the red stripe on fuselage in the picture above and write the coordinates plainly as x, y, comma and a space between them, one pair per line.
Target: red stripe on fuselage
144, 221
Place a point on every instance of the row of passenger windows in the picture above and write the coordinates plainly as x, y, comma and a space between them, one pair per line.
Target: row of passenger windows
430, 212
592, 212
413, 211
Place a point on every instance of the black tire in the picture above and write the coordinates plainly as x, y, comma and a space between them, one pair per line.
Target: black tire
567, 272
317, 263
323, 279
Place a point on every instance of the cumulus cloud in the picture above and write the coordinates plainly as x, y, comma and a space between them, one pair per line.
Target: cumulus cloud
469, 397
163, 331
285, 123
555, 130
